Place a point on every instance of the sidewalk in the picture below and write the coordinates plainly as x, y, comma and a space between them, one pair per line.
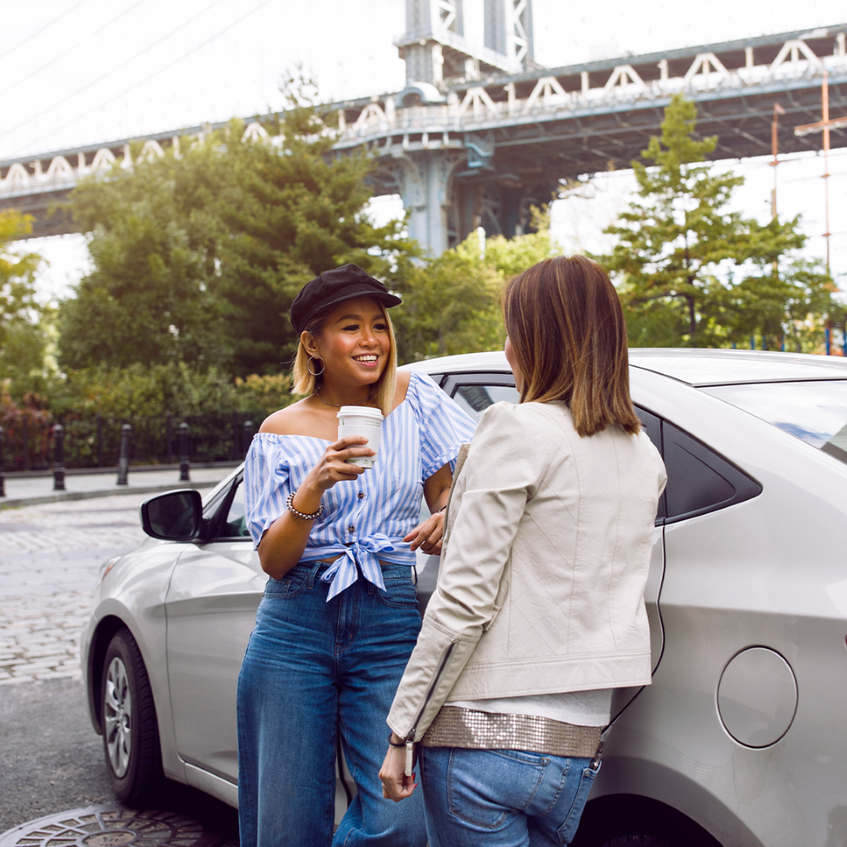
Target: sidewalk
34, 489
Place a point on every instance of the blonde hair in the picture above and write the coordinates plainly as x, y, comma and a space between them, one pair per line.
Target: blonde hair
567, 331
382, 392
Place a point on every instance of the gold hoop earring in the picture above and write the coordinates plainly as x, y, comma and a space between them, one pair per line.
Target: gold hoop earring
309, 365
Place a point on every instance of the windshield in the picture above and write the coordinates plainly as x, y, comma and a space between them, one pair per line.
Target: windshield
815, 412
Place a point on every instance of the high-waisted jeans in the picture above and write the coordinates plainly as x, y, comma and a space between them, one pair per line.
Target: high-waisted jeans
314, 669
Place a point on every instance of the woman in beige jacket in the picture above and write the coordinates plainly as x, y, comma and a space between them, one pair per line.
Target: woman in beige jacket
539, 612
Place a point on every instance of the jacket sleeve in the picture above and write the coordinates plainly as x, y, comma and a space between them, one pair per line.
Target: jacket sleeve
504, 467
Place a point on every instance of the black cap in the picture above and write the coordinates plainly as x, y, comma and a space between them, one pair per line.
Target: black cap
333, 287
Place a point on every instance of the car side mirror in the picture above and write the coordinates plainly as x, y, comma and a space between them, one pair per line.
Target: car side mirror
175, 516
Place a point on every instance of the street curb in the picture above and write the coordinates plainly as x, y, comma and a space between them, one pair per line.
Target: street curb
90, 495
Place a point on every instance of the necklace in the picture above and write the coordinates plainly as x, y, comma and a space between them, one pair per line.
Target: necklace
337, 405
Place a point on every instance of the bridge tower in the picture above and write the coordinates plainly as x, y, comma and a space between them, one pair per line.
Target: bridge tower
453, 183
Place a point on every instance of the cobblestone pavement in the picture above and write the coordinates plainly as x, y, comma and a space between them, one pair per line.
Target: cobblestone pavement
50, 556
50, 757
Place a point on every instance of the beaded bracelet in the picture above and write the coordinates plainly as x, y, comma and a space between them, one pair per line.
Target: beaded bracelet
289, 504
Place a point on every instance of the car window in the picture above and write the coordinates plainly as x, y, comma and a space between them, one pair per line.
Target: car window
814, 412
653, 428
234, 525
476, 392
699, 480
475, 399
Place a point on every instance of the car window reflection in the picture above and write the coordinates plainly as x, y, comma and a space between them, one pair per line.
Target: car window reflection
814, 412
475, 399
235, 526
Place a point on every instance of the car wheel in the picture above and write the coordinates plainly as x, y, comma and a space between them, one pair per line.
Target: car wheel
130, 730
628, 821
638, 837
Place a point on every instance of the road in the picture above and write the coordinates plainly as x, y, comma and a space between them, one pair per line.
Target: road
51, 760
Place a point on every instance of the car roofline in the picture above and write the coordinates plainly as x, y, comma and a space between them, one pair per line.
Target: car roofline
712, 383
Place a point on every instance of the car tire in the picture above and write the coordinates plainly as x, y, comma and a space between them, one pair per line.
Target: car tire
630, 821
130, 730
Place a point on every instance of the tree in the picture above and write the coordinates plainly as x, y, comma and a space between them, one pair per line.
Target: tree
693, 273
452, 304
198, 254
297, 209
154, 239
23, 339
449, 306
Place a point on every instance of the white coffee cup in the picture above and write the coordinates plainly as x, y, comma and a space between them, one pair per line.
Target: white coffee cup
361, 420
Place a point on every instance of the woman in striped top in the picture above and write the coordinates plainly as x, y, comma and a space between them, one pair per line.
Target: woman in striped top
339, 617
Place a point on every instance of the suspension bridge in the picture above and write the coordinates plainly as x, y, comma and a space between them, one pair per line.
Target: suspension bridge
481, 132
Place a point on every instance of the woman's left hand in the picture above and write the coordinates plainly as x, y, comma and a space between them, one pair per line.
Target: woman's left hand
428, 535
396, 785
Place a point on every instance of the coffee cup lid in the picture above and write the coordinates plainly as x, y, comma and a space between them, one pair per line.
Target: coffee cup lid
361, 411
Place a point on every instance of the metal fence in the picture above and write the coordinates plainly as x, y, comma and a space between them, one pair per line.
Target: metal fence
30, 445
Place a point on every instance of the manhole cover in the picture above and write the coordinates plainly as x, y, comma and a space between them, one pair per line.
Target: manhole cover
108, 826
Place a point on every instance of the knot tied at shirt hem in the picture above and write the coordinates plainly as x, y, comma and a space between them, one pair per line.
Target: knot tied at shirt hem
363, 555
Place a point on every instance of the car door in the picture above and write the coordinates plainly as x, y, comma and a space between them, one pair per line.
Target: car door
211, 610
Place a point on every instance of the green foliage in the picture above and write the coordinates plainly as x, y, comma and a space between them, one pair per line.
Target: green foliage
449, 306
692, 273
24, 325
17, 271
265, 393
198, 255
452, 304
155, 390
299, 209
153, 244
24, 356
788, 303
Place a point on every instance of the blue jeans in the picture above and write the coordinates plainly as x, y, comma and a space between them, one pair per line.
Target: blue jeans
502, 798
314, 669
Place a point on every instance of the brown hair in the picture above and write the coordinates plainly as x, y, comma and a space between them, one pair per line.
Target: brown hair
382, 391
567, 331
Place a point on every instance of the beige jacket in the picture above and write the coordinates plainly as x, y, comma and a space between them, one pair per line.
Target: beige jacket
548, 539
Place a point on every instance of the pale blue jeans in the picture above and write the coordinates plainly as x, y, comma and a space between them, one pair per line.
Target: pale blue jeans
502, 798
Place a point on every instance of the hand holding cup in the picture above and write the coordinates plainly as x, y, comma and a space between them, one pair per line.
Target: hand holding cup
364, 421
334, 466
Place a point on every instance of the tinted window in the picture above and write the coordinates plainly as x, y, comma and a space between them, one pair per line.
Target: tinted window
699, 480
476, 392
653, 427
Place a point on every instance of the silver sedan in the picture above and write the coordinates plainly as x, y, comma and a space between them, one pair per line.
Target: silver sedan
741, 738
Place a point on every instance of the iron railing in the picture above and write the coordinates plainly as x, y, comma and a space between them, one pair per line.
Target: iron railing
94, 442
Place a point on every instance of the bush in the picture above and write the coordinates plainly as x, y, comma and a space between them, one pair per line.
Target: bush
26, 429
266, 393
173, 388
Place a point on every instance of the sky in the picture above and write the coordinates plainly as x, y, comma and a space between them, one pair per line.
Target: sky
84, 71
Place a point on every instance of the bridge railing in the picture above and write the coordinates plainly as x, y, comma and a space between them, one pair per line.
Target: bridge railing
549, 97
